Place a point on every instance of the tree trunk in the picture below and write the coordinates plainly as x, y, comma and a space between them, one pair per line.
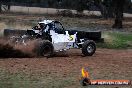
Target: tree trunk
0, 7
104, 11
9, 4
9, 7
119, 6
118, 20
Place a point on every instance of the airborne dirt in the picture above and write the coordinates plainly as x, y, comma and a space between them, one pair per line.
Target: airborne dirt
12, 50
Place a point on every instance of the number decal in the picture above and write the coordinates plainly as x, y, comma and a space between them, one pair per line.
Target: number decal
71, 37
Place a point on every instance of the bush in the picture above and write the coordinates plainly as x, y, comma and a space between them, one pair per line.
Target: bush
65, 13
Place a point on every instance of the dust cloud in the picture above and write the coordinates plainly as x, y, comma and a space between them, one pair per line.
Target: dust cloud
8, 50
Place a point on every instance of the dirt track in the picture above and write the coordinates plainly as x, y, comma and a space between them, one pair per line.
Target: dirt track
105, 64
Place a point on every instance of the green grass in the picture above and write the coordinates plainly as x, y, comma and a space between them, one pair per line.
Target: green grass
22, 80
116, 40
9, 80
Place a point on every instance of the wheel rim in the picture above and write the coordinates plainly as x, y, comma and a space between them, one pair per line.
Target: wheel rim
90, 48
47, 50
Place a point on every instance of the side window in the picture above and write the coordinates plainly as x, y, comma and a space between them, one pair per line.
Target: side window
58, 26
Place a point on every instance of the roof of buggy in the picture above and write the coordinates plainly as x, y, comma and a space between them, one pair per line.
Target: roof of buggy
48, 21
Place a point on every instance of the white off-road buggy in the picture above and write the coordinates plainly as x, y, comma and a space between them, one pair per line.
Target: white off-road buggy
52, 37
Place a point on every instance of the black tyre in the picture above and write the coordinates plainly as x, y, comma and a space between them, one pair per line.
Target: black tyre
44, 48
88, 48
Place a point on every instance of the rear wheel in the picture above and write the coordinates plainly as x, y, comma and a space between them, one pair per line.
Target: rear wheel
88, 48
45, 48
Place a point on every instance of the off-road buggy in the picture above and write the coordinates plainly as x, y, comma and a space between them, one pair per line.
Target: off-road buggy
52, 37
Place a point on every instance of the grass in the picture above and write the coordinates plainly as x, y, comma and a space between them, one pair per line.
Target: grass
116, 40
22, 80
16, 20
9, 80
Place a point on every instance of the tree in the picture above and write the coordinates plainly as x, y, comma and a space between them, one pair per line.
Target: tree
118, 10
108, 8
102, 6
5, 2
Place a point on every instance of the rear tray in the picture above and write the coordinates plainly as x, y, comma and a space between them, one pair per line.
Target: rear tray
91, 35
13, 32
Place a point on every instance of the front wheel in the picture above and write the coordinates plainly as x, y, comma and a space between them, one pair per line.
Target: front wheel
88, 48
